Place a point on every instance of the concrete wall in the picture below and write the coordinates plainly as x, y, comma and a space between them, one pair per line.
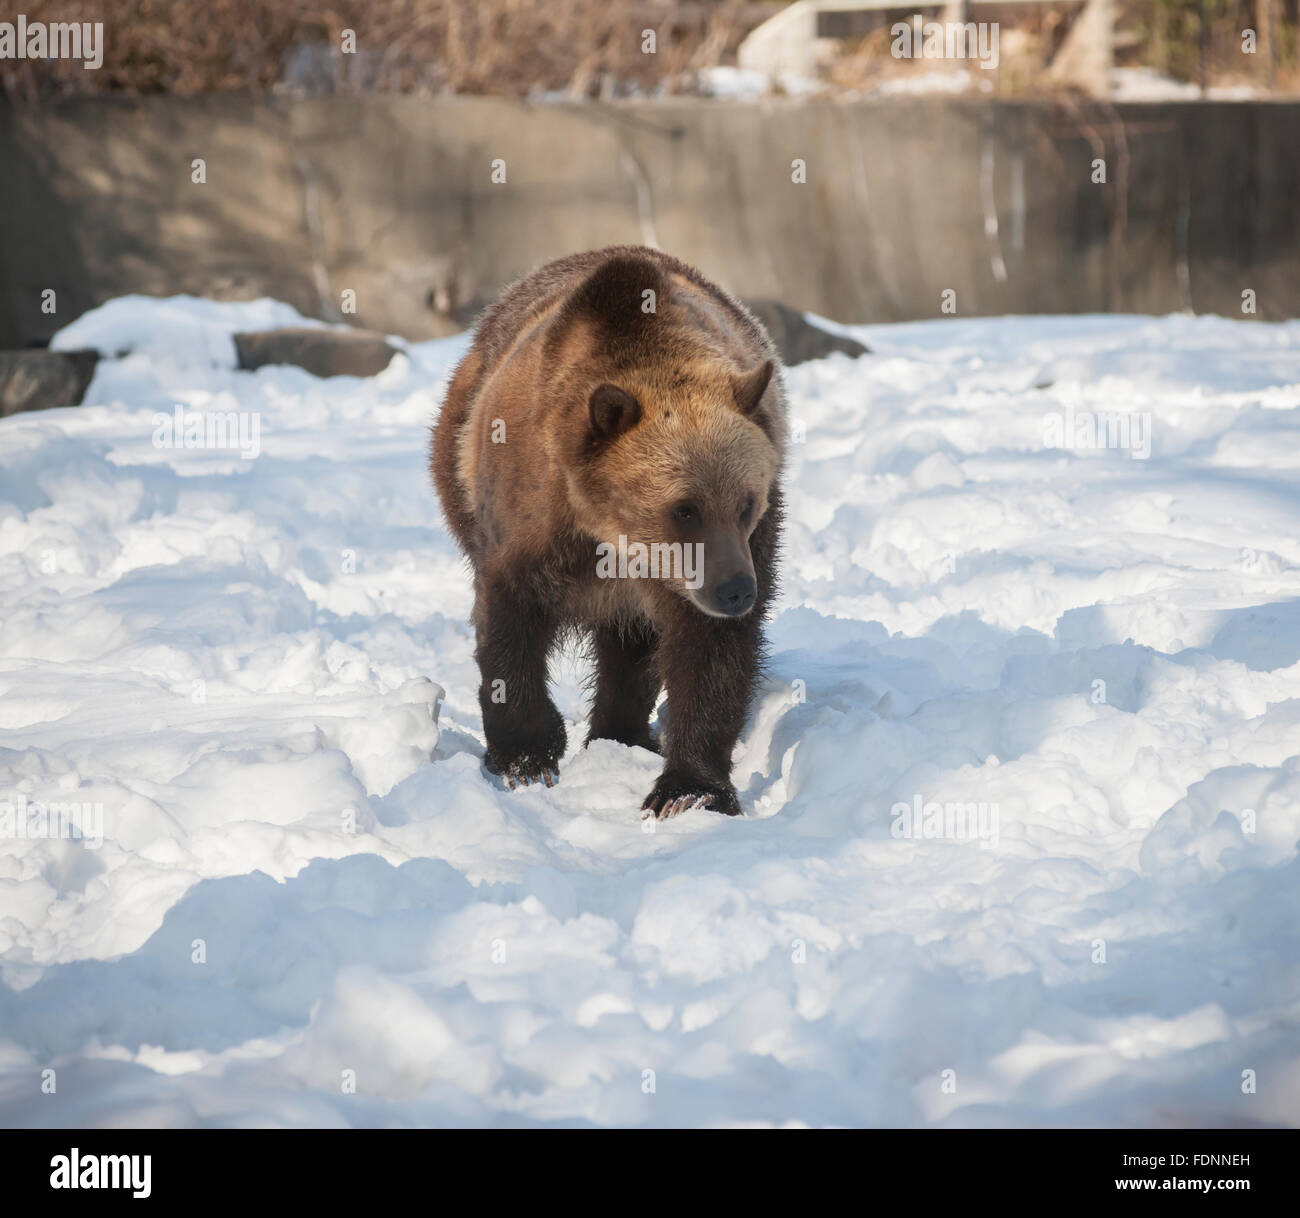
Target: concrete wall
393, 198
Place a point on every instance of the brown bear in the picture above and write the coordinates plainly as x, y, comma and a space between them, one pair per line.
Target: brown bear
608, 456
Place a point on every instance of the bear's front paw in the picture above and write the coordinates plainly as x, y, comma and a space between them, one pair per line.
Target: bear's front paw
526, 753
675, 793
525, 771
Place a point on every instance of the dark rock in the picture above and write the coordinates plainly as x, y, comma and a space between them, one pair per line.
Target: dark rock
44, 380
796, 338
320, 352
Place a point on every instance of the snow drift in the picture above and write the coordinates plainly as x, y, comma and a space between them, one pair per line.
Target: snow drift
310, 907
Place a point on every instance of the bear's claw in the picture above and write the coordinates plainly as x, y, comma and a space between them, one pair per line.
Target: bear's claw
517, 780
671, 798
675, 807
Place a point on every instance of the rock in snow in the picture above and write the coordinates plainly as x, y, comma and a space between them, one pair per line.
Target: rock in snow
1022, 787
322, 351
44, 380
799, 339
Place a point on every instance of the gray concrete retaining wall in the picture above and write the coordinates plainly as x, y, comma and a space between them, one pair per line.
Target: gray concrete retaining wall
393, 198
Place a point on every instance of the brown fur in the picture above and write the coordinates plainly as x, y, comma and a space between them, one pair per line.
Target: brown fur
614, 418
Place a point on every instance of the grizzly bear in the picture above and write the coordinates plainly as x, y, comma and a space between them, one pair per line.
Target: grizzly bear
617, 403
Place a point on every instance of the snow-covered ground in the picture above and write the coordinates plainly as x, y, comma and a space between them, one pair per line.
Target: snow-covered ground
310, 907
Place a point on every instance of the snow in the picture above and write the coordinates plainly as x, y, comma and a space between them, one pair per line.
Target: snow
1140, 84
310, 907
184, 328
750, 84
916, 84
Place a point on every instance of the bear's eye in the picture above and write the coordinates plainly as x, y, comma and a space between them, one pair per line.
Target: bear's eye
686, 513
747, 511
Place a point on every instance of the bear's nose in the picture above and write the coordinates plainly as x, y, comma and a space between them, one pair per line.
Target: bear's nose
737, 594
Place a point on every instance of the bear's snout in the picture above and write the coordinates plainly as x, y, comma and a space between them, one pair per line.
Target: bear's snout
726, 585
736, 595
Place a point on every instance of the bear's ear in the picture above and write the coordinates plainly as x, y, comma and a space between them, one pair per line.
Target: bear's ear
749, 387
612, 411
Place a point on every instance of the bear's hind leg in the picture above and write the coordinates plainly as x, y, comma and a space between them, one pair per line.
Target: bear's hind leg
525, 732
627, 684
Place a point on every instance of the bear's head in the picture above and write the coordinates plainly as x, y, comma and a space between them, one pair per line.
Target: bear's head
676, 438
